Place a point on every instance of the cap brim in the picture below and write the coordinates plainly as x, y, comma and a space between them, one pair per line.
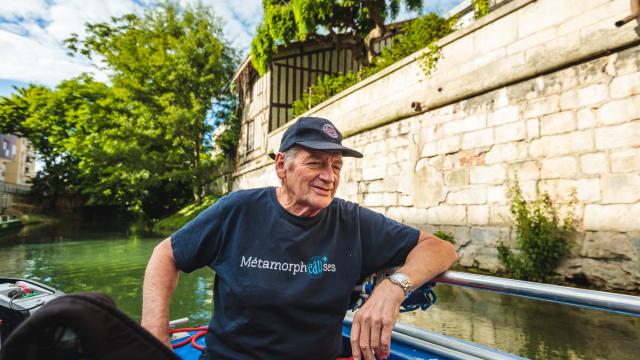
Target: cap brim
322, 145
272, 155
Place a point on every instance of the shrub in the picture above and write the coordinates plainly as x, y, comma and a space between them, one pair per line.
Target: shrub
542, 238
326, 87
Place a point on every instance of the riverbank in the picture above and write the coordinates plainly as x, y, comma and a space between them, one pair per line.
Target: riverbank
170, 224
32, 219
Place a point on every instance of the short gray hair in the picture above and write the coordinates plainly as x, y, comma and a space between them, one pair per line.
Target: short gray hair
290, 154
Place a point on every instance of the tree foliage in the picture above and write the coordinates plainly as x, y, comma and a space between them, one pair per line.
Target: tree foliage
349, 24
143, 141
542, 237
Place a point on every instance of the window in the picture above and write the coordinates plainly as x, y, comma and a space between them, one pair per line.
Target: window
250, 135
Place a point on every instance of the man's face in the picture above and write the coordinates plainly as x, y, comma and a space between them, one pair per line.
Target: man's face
312, 177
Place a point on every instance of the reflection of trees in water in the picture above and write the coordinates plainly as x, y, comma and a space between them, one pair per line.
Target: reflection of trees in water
530, 328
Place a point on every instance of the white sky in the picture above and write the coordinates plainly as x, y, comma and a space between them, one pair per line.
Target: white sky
32, 31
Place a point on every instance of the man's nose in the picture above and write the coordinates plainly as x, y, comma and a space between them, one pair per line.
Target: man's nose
327, 174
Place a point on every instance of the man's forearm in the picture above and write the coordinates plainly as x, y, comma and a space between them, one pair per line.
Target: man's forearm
160, 280
429, 258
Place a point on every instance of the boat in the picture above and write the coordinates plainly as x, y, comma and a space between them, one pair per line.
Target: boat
408, 342
9, 223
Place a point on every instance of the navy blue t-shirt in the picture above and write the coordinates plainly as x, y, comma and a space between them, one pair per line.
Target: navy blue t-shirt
283, 282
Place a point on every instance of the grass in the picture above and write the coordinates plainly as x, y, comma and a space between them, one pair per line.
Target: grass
173, 222
30, 219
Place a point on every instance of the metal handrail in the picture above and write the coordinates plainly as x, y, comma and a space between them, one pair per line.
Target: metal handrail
621, 303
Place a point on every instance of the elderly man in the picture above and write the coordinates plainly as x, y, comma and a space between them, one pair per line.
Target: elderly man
286, 260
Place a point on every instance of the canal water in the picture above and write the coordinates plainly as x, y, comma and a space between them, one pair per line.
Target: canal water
77, 258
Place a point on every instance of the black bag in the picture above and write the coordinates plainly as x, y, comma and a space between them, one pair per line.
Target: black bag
82, 326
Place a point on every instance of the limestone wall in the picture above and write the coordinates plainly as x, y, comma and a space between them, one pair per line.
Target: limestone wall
548, 91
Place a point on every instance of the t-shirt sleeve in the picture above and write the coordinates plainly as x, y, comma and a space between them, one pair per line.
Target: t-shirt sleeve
197, 243
385, 242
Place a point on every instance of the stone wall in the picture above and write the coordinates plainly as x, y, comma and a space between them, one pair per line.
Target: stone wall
546, 91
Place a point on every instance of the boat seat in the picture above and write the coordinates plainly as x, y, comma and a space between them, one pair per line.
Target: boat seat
82, 326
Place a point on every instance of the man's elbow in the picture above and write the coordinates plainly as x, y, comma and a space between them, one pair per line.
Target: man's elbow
449, 252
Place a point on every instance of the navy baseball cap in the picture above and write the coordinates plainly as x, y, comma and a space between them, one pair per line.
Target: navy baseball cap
314, 133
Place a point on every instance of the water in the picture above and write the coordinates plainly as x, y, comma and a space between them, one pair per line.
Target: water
111, 260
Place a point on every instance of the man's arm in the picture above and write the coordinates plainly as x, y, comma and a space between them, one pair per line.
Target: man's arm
374, 321
160, 280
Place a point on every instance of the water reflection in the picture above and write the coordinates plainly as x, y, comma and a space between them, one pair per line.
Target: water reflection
74, 258
530, 328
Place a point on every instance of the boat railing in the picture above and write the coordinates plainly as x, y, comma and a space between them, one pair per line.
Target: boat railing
602, 300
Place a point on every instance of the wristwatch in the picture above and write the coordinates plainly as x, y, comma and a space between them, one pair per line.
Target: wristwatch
402, 280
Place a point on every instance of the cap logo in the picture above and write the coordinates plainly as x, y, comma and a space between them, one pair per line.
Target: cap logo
330, 130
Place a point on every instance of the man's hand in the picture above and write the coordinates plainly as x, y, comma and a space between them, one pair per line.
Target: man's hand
374, 321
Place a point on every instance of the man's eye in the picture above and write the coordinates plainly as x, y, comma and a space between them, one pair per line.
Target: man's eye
337, 168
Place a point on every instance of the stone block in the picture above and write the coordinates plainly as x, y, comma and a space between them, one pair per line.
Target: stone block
497, 194
560, 190
593, 11
562, 167
625, 85
499, 215
373, 200
538, 16
478, 214
533, 128
467, 124
510, 132
619, 111
488, 236
456, 177
429, 149
618, 217
529, 42
406, 200
509, 152
555, 145
502, 32
504, 115
620, 188
447, 215
460, 234
376, 186
542, 106
373, 173
347, 189
595, 163
609, 246
448, 145
477, 139
390, 199
586, 118
488, 174
527, 170
558, 123
625, 160
604, 274
619, 136
593, 94
468, 195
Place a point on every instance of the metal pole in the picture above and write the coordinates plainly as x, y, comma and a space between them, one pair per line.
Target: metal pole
626, 304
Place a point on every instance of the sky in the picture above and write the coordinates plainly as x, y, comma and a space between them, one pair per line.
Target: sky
32, 31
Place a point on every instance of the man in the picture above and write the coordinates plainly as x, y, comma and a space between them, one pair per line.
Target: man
287, 258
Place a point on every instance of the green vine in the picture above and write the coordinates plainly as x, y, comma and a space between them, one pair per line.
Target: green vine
542, 238
480, 8
429, 59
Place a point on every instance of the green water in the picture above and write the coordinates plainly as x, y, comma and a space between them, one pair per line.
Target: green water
76, 258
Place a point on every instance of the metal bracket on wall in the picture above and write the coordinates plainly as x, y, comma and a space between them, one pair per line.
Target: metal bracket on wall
635, 13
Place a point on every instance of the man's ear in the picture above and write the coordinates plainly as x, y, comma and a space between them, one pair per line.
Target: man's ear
279, 162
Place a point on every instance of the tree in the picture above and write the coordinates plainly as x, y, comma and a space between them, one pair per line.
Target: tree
170, 65
350, 24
